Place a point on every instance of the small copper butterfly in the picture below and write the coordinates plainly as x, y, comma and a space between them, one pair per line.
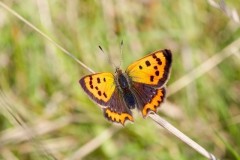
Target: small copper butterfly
141, 86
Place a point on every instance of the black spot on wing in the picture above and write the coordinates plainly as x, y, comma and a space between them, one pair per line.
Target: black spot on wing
140, 67
90, 78
98, 80
159, 61
99, 93
148, 63
90, 82
151, 78
104, 94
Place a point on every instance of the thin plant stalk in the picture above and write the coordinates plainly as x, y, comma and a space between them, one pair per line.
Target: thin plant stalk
45, 36
169, 127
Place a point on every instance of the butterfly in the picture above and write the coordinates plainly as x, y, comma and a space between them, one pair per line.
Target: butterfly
141, 86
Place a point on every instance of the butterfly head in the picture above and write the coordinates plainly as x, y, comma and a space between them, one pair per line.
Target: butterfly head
118, 71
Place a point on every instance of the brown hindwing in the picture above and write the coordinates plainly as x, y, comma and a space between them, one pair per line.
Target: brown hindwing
117, 111
148, 98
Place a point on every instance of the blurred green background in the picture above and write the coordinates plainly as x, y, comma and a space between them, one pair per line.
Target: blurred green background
39, 83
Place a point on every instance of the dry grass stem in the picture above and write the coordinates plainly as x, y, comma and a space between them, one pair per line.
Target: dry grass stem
29, 132
231, 13
45, 36
93, 143
162, 122
206, 66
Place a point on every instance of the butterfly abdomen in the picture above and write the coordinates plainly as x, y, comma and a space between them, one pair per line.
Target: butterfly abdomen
129, 99
124, 87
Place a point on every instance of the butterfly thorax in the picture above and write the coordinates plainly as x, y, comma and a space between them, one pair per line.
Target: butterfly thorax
124, 86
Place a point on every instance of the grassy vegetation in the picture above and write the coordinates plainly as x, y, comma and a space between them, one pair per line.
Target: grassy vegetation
40, 83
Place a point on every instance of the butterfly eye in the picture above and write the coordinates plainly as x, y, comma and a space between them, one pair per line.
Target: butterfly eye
117, 69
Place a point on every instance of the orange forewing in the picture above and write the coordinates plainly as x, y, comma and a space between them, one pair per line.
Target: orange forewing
99, 87
152, 70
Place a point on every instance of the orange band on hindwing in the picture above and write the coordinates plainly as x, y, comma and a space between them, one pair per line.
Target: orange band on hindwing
155, 102
117, 117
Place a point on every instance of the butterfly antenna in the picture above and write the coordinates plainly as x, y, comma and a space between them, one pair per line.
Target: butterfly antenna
108, 56
121, 53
